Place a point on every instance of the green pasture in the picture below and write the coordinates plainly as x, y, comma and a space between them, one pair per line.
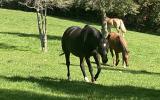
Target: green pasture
28, 74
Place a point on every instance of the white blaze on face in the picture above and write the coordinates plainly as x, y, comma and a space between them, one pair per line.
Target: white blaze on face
104, 44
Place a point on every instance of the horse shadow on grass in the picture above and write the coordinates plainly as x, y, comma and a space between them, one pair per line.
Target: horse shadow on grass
79, 90
127, 70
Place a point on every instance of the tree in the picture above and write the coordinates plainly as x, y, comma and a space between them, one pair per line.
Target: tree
41, 10
149, 16
2, 1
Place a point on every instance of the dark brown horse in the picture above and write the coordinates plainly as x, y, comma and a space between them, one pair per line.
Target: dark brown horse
119, 45
84, 43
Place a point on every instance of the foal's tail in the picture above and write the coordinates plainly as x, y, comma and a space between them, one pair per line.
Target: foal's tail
122, 27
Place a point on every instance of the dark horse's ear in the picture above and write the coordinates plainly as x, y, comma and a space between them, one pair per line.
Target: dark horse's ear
101, 36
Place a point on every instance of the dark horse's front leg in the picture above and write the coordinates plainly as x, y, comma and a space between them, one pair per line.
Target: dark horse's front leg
83, 69
90, 68
96, 57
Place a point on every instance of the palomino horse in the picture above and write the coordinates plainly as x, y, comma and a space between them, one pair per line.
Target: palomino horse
84, 43
118, 44
117, 23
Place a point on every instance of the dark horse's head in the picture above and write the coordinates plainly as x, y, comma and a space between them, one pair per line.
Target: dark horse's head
103, 48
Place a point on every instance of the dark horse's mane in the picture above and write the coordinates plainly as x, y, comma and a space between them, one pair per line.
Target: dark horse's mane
89, 34
89, 29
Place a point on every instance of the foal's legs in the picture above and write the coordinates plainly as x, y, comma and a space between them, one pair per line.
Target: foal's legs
67, 56
119, 30
83, 69
111, 50
117, 58
125, 59
96, 57
90, 68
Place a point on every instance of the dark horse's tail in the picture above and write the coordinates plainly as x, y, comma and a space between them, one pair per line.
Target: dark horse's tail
61, 54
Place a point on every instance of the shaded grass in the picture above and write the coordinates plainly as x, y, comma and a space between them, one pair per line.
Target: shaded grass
82, 89
26, 73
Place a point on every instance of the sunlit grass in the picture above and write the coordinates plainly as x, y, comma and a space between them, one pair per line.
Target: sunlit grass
26, 73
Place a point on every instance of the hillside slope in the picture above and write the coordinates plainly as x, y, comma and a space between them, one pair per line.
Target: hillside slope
26, 73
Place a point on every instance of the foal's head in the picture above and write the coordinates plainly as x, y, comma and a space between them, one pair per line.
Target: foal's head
103, 48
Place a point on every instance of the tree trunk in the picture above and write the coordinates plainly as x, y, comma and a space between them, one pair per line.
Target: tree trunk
104, 23
45, 28
42, 22
1, 3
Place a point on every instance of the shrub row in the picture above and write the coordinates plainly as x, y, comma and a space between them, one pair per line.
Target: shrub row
147, 19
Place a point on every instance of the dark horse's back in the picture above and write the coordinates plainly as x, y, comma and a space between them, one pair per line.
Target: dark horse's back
70, 39
80, 41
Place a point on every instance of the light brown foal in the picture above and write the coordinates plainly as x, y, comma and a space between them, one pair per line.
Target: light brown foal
118, 44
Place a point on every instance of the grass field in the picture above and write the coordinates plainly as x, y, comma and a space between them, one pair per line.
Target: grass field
28, 74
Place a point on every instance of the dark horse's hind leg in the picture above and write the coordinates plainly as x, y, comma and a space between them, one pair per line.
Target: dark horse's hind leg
90, 68
98, 66
67, 55
83, 69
